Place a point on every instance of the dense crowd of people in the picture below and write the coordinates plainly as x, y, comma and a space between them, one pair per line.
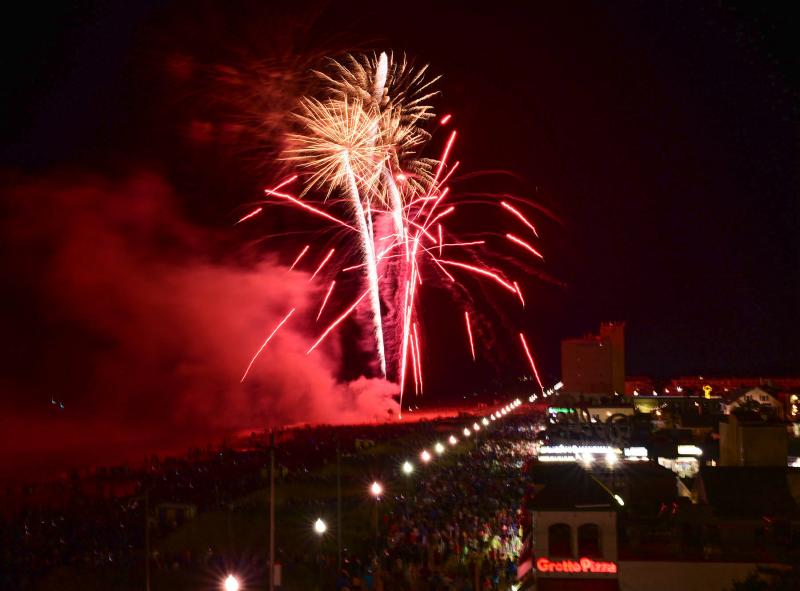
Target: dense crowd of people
459, 528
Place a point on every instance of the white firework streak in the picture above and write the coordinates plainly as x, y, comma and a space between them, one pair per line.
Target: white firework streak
369, 258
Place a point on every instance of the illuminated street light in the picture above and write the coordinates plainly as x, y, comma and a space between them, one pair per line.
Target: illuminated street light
425, 456
407, 467
376, 489
438, 448
485, 421
466, 432
320, 526
476, 427
452, 440
231, 583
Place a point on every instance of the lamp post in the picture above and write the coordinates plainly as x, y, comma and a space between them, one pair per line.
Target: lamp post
320, 527
376, 490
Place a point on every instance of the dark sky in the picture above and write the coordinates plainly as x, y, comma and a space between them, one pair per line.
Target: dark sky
663, 136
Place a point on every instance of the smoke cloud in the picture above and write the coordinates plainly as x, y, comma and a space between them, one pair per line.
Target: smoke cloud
128, 316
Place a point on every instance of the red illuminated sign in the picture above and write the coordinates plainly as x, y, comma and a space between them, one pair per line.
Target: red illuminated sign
582, 565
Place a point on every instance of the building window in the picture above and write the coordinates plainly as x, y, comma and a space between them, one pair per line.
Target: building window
589, 540
559, 540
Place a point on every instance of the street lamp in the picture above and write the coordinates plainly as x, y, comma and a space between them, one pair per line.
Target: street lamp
425, 456
438, 448
485, 421
453, 440
231, 583
376, 489
466, 432
320, 527
407, 467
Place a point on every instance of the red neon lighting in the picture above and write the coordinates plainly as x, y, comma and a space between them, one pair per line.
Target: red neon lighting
582, 565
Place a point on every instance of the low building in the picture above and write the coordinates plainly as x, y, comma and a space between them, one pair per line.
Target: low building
746, 439
574, 541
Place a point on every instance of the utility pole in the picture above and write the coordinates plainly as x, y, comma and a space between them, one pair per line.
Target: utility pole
338, 506
271, 569
147, 540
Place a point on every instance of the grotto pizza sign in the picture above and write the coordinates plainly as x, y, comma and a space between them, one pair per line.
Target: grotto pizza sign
575, 567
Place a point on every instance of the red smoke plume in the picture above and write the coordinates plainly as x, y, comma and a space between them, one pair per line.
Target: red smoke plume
125, 313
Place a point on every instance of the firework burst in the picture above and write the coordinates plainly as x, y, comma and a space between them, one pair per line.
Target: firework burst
362, 140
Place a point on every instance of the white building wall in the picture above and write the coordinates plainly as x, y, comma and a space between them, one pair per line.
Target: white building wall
605, 520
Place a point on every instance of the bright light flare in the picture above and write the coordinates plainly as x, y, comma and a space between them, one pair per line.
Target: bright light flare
320, 527
407, 467
452, 440
425, 456
231, 583
438, 448
376, 489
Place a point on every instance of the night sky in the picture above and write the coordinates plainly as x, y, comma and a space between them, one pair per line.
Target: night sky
661, 136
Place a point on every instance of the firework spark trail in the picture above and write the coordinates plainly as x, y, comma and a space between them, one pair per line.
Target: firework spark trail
299, 256
322, 264
338, 321
524, 245
325, 300
518, 213
369, 255
414, 366
469, 334
441, 241
446, 119
530, 360
480, 271
419, 359
272, 334
519, 293
308, 207
445, 154
253, 213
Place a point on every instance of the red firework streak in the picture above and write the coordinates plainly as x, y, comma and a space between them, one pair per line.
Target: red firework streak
517, 213
519, 293
269, 338
322, 264
300, 256
325, 301
469, 334
530, 360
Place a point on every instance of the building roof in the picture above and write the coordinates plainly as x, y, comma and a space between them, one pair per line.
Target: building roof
568, 488
746, 491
